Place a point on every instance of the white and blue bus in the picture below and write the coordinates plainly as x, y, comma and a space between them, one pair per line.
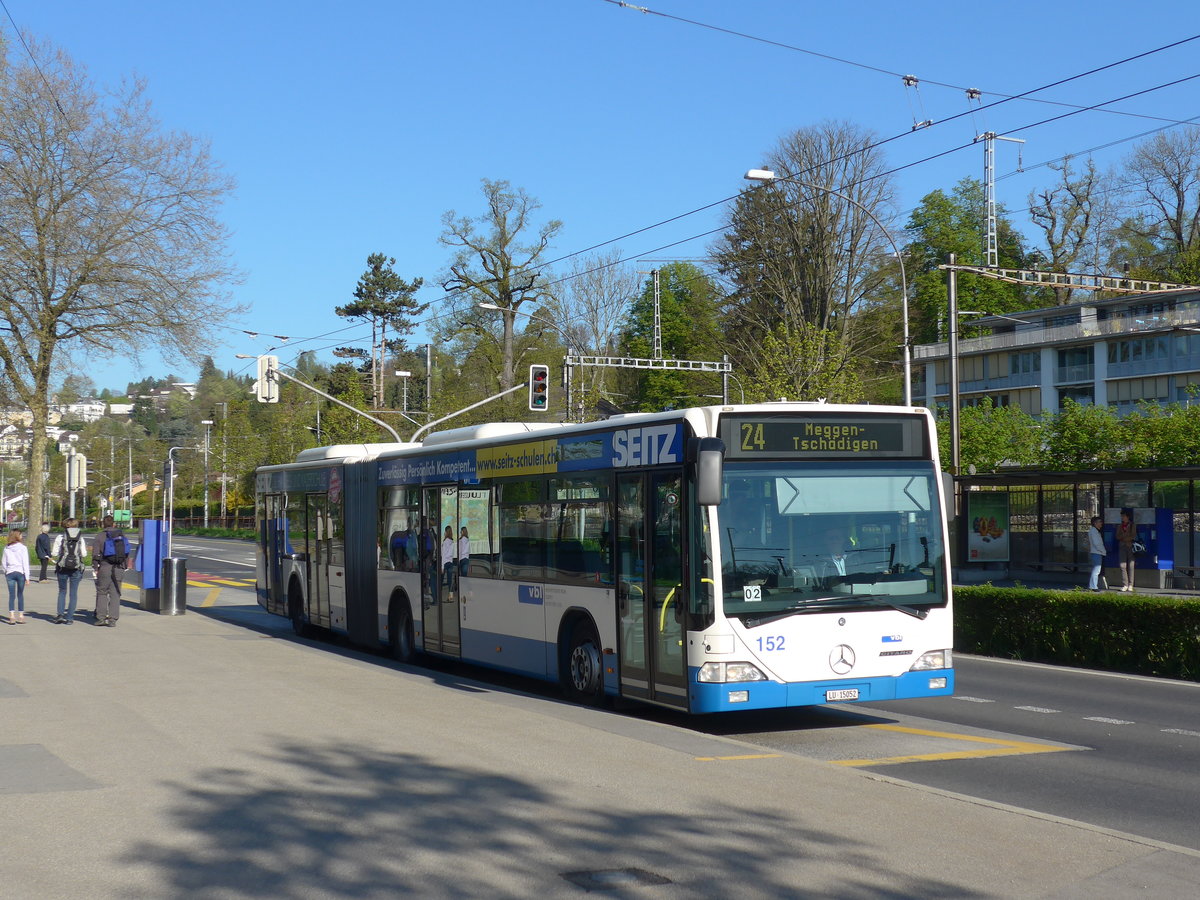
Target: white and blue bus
708, 559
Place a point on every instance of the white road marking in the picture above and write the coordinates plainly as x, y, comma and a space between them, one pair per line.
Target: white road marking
1037, 709
1108, 721
1182, 731
972, 699
228, 562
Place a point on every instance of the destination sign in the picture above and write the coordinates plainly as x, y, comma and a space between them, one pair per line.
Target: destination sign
824, 437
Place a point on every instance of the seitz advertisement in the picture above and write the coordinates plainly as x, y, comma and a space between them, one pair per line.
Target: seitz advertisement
987, 539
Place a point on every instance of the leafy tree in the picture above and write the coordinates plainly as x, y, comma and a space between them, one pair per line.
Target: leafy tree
1083, 437
953, 223
689, 319
496, 260
75, 388
383, 299
109, 240
803, 362
1163, 435
994, 436
809, 258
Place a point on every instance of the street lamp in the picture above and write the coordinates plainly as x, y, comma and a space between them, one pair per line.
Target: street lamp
207, 423
546, 322
768, 176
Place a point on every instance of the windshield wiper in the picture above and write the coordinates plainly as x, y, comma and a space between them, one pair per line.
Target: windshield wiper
828, 602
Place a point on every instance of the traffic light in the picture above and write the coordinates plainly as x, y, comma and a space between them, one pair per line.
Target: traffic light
266, 389
539, 388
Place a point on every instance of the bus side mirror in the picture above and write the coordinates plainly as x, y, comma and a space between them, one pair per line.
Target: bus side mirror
948, 490
710, 467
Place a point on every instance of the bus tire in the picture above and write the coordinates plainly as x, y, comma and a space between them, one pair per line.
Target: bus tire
300, 626
401, 636
584, 674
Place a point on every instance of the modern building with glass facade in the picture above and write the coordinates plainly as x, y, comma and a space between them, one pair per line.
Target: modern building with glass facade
1112, 352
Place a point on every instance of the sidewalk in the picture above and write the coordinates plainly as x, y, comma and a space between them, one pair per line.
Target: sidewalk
191, 756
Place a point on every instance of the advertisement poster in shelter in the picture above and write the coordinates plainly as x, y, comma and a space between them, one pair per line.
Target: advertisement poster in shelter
987, 514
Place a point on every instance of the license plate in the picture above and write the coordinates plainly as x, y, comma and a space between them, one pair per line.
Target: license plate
847, 694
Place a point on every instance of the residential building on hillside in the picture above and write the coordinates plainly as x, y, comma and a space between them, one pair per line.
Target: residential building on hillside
1112, 352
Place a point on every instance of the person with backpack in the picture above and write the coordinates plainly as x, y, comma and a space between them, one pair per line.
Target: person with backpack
111, 556
68, 552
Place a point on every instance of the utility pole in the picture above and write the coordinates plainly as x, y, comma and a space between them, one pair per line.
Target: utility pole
991, 250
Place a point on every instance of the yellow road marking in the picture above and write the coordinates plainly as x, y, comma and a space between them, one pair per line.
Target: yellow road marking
747, 756
211, 598
230, 583
997, 747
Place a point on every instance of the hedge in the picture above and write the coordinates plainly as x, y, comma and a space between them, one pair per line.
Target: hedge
1141, 635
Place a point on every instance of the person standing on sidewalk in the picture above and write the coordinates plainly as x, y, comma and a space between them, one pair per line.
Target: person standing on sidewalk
111, 555
1096, 551
1126, 535
42, 548
69, 553
16, 573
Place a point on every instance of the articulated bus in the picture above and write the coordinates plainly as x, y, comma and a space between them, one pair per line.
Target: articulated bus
707, 559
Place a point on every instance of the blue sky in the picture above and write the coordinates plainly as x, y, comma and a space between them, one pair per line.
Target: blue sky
352, 127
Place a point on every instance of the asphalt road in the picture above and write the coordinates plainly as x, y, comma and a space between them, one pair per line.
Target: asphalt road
1119, 752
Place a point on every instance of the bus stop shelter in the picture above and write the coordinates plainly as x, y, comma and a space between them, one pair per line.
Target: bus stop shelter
1033, 521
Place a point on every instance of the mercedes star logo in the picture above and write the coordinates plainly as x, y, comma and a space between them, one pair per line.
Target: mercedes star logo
841, 658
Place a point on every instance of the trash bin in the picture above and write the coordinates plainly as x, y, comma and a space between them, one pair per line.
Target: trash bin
173, 590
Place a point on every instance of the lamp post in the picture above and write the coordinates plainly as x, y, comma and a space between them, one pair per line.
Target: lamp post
207, 423
539, 319
768, 176
224, 456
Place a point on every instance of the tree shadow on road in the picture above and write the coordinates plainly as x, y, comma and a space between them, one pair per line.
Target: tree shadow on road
326, 819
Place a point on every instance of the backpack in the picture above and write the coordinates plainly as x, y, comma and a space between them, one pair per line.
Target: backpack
68, 556
116, 548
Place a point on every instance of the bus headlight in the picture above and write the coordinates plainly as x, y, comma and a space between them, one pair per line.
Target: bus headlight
934, 659
720, 673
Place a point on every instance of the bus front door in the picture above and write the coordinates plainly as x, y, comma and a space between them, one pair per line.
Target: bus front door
650, 588
439, 584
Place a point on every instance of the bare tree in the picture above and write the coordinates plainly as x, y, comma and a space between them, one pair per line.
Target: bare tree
1070, 215
109, 240
1162, 178
492, 265
590, 309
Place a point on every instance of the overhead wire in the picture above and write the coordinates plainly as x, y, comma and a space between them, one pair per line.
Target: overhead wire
870, 68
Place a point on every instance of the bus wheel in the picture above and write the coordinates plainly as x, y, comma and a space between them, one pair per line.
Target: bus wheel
585, 680
300, 627
400, 633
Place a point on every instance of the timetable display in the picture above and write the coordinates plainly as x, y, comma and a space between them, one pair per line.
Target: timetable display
824, 437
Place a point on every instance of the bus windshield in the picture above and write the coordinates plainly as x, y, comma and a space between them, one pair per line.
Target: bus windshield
830, 536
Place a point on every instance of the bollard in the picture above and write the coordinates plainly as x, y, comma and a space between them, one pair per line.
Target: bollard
173, 588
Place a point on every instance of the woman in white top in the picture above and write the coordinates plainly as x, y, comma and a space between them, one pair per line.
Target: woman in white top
1096, 551
448, 557
464, 550
16, 573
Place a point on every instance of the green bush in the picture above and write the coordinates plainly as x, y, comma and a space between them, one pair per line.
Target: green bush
1119, 632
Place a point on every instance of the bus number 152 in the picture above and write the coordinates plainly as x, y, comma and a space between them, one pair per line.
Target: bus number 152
775, 642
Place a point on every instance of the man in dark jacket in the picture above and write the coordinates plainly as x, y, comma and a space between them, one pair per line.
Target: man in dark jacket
110, 568
42, 548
